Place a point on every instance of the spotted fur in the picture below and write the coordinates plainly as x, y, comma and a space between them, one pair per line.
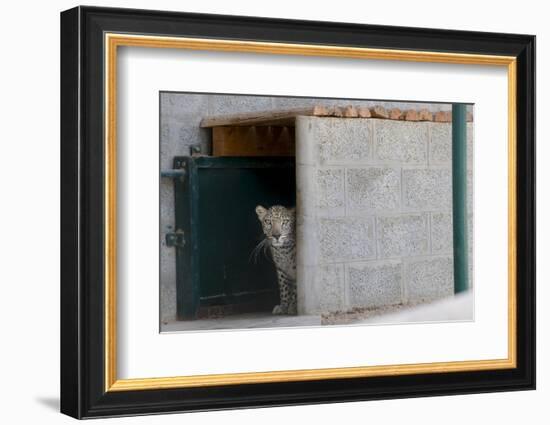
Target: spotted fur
279, 227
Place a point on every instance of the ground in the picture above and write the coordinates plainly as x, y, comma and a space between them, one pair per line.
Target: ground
360, 314
267, 320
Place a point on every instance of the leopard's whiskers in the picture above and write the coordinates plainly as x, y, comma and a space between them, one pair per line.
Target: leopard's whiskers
261, 248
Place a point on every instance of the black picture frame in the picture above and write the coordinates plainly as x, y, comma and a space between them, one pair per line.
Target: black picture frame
83, 392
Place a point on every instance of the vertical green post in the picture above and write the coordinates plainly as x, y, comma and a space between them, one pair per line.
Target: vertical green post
460, 225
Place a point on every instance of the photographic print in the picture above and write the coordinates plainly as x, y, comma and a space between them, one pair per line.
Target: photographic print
291, 212
262, 212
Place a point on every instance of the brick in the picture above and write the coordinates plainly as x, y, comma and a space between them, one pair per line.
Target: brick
364, 112
395, 114
343, 140
401, 141
442, 232
402, 235
374, 285
379, 112
374, 188
411, 115
330, 188
425, 115
429, 279
320, 111
427, 188
350, 112
346, 238
336, 111
443, 116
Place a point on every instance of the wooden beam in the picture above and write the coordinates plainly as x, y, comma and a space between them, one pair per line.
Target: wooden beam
280, 118
253, 141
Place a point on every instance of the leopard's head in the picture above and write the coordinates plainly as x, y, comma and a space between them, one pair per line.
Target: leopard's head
278, 224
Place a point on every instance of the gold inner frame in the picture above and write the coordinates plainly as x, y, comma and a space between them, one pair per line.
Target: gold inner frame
113, 41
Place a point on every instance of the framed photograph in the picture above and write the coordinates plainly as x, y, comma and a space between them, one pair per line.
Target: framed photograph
261, 212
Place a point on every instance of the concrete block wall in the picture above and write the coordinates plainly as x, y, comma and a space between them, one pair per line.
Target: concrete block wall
180, 116
374, 212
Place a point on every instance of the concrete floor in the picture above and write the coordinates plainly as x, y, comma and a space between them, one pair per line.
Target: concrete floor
455, 308
242, 321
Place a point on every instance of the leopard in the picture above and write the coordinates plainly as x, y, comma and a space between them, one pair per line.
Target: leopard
279, 231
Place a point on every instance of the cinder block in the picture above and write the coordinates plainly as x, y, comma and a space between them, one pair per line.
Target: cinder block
306, 136
470, 190
232, 104
281, 103
330, 187
321, 289
183, 107
374, 188
346, 238
330, 288
432, 107
374, 285
402, 235
442, 232
343, 140
470, 146
167, 255
307, 248
441, 140
305, 102
320, 192
427, 188
429, 279
471, 250
176, 138
470, 229
401, 141
166, 195
440, 146
167, 286
306, 190
167, 141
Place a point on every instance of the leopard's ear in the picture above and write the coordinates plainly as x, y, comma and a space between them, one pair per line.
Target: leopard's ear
261, 211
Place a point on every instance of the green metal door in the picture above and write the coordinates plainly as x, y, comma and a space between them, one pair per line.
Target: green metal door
215, 212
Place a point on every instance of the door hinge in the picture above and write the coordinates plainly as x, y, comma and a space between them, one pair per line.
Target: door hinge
175, 239
178, 172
